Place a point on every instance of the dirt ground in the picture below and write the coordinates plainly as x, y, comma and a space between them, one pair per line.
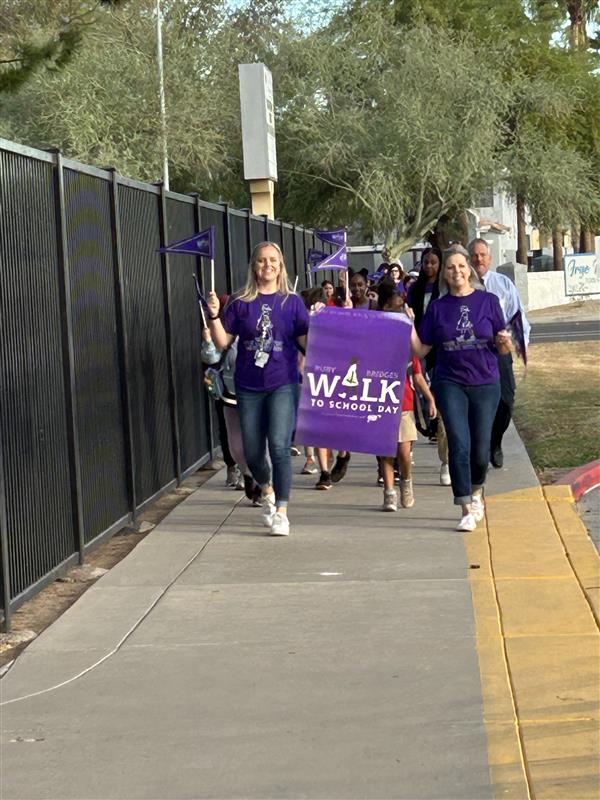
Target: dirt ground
557, 408
42, 610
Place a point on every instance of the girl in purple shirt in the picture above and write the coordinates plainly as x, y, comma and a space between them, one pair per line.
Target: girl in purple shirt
465, 326
270, 321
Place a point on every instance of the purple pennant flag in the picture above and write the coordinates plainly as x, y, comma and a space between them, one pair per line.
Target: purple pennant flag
201, 244
352, 392
337, 260
333, 237
518, 334
313, 256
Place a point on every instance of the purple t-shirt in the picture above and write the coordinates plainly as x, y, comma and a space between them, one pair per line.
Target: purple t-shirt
267, 326
462, 331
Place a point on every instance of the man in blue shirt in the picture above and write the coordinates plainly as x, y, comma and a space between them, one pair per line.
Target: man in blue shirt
511, 304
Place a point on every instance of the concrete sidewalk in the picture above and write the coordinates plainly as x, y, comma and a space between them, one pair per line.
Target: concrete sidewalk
368, 655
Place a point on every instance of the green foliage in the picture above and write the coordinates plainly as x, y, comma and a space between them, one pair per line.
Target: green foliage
399, 136
51, 42
390, 115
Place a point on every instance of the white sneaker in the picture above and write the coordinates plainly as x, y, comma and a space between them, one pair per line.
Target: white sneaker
390, 500
268, 509
280, 525
477, 508
407, 498
467, 523
445, 475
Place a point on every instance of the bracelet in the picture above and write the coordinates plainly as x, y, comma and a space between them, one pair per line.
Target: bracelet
213, 318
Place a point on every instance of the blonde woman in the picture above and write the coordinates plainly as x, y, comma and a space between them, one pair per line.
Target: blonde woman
271, 322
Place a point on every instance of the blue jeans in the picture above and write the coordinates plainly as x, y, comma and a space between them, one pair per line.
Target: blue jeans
468, 413
269, 417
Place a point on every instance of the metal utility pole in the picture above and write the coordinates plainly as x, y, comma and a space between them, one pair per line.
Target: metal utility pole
161, 84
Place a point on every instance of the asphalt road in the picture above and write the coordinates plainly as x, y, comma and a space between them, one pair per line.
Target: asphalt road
568, 331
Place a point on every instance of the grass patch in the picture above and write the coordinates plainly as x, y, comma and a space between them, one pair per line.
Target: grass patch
557, 409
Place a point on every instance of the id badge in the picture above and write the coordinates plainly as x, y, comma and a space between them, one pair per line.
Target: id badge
261, 358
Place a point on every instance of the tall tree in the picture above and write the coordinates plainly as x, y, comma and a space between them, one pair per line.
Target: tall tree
377, 129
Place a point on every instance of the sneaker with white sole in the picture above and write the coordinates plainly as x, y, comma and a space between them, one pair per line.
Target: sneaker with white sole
445, 475
467, 523
233, 474
310, 468
477, 508
407, 498
280, 525
390, 500
268, 509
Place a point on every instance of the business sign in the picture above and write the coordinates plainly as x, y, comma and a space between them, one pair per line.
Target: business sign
582, 274
353, 383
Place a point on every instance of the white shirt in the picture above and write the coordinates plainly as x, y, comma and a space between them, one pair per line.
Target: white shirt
506, 292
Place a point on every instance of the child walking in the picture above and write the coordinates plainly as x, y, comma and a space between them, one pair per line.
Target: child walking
407, 433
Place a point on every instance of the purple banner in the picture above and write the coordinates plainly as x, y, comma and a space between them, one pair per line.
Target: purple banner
337, 260
201, 244
333, 237
353, 382
515, 326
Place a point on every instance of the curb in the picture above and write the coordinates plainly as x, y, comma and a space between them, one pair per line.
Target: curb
582, 479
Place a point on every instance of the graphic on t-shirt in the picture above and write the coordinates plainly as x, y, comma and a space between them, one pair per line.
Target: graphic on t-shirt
466, 339
265, 341
464, 325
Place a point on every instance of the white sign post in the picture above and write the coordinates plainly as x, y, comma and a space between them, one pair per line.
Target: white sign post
258, 135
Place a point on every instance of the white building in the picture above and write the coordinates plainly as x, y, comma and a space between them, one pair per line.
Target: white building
495, 220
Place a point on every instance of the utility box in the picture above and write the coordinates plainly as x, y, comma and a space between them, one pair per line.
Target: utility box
258, 122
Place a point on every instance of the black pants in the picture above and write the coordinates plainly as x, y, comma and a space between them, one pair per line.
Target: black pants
227, 457
508, 388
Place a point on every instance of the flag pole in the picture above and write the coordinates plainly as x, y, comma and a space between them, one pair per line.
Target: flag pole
347, 273
212, 275
295, 284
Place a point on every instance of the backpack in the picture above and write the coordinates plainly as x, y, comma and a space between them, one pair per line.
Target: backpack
213, 380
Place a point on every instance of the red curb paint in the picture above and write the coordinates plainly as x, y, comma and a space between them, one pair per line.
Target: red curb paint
582, 479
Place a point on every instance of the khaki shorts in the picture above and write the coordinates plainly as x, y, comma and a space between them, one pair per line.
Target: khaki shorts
408, 429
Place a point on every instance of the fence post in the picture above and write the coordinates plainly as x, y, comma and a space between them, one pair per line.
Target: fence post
296, 270
166, 276
68, 353
209, 419
227, 238
122, 339
249, 230
4, 557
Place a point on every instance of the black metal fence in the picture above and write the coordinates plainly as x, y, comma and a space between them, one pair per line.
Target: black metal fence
102, 406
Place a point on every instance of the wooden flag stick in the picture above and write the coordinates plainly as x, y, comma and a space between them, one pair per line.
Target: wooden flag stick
295, 284
212, 274
204, 323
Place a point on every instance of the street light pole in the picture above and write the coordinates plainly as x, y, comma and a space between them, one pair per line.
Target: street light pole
161, 84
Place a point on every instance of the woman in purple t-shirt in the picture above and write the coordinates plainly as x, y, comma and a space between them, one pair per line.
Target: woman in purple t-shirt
270, 321
465, 326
